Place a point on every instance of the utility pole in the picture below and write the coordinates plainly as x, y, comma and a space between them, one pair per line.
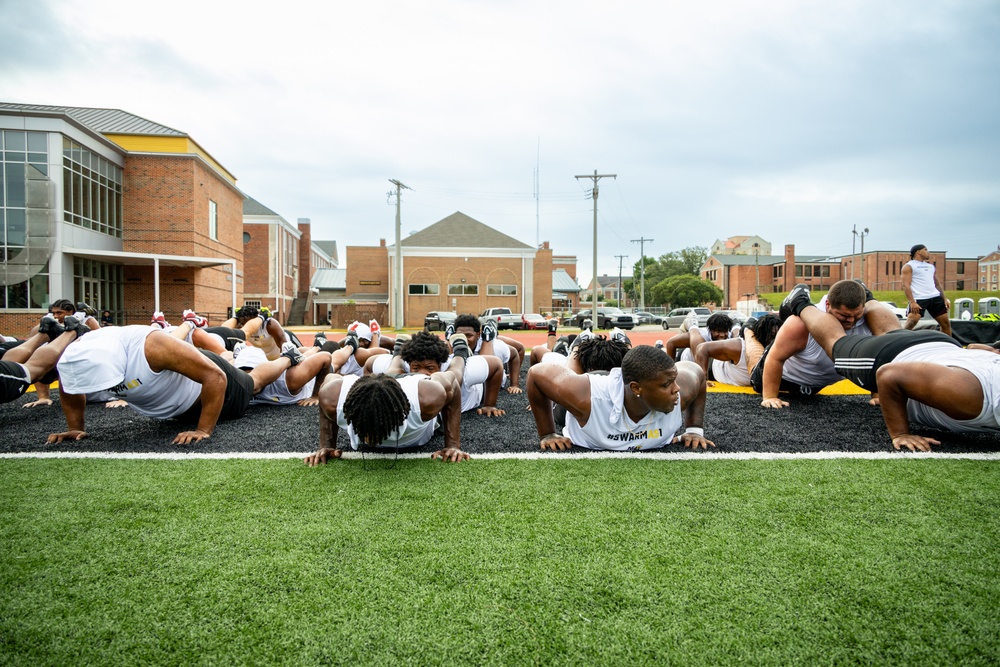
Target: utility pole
596, 177
642, 268
397, 302
620, 259
756, 263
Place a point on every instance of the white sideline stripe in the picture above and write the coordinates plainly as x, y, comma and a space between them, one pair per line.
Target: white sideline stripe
528, 456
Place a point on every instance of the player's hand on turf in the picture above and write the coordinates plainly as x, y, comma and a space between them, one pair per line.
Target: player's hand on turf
490, 411
323, 455
40, 403
555, 442
111, 405
514, 390
68, 435
874, 402
914, 443
776, 403
709, 383
309, 402
189, 437
450, 455
694, 441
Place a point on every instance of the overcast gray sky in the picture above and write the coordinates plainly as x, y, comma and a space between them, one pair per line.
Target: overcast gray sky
793, 120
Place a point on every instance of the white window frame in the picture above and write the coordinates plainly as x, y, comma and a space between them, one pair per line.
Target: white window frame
213, 220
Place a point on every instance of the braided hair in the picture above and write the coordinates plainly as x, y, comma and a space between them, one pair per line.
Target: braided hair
600, 353
766, 328
376, 406
424, 346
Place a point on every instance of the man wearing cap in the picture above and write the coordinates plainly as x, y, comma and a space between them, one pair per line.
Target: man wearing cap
161, 377
923, 290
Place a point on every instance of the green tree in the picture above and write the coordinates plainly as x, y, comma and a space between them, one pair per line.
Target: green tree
675, 263
685, 291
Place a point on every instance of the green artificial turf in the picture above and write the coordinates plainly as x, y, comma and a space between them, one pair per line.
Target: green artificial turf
499, 562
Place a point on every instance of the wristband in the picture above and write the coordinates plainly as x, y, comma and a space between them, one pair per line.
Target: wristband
695, 430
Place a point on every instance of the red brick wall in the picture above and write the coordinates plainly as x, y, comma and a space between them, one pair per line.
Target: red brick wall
257, 257
165, 207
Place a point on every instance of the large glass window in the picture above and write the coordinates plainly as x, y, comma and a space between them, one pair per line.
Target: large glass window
23, 168
463, 290
100, 284
501, 290
92, 189
424, 289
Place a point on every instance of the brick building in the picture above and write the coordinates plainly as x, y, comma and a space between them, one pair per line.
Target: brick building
281, 260
607, 289
882, 269
742, 277
457, 264
989, 271
103, 206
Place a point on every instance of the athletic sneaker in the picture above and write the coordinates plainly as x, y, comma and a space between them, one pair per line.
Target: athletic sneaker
868, 293
588, 325
71, 323
196, 320
50, 327
561, 347
86, 309
351, 340
553, 325
397, 348
796, 300
619, 335
290, 352
460, 346
239, 347
449, 331
158, 320
658, 344
586, 334
319, 340
375, 328
489, 331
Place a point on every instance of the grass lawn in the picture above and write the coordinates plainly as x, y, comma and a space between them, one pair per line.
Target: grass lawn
896, 296
501, 562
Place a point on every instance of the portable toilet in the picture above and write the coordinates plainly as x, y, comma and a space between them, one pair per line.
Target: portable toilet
963, 306
989, 306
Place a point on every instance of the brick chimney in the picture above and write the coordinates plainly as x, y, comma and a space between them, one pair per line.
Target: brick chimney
789, 280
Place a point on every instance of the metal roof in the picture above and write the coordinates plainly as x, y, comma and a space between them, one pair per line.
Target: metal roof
329, 279
460, 231
563, 282
103, 121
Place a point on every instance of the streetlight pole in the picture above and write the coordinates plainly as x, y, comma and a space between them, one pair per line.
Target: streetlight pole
854, 255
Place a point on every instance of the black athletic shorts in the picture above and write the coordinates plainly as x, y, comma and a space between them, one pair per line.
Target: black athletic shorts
786, 386
858, 358
14, 381
229, 335
935, 306
239, 391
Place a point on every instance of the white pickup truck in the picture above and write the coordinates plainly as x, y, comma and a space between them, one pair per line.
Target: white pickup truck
503, 317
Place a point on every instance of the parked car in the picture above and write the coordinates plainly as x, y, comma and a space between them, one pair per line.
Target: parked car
438, 320
533, 321
675, 318
900, 312
735, 315
648, 318
607, 318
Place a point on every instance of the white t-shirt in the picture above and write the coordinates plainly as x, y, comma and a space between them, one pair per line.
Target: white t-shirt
412, 433
730, 373
922, 284
982, 364
610, 427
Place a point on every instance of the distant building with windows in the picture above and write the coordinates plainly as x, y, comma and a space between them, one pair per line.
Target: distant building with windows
989, 271
741, 245
456, 264
103, 206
